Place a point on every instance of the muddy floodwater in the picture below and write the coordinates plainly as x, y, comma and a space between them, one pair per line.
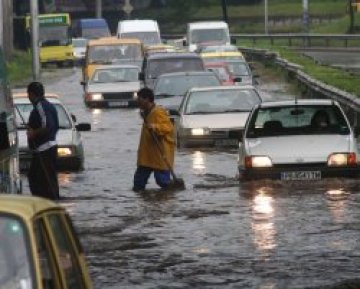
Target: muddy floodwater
215, 234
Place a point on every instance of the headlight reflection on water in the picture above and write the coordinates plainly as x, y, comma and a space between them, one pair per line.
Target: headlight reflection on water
262, 222
96, 112
198, 160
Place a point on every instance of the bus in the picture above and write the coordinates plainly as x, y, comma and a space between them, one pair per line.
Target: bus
55, 39
10, 181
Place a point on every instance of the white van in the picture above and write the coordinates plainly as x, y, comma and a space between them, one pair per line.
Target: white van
146, 30
207, 33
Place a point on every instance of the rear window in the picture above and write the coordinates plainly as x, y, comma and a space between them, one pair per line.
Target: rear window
113, 53
297, 120
157, 67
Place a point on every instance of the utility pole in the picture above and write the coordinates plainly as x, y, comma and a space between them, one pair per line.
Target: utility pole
266, 19
1, 25
35, 39
224, 9
98, 8
306, 16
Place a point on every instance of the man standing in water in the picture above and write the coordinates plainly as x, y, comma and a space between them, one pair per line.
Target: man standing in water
150, 153
41, 133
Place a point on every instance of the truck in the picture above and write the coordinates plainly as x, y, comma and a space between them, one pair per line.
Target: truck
204, 33
91, 28
54, 39
147, 31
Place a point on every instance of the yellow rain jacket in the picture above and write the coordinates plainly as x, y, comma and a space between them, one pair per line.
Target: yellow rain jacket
148, 153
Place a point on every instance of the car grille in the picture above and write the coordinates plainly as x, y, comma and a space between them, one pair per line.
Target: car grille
232, 134
301, 165
118, 96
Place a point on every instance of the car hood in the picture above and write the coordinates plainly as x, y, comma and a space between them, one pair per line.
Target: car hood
114, 87
64, 137
218, 120
298, 149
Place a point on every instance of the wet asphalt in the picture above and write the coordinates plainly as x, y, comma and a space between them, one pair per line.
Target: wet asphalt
218, 233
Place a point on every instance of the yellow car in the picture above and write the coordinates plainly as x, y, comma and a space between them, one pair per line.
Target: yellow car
38, 246
223, 55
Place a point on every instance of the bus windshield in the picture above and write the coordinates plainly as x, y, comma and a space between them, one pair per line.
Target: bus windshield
54, 36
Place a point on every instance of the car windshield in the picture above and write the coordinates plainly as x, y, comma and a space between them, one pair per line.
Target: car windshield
15, 262
95, 32
157, 67
179, 85
297, 120
148, 38
54, 35
26, 108
221, 101
209, 35
121, 74
113, 53
79, 43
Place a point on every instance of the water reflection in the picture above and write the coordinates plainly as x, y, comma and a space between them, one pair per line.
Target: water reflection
198, 160
64, 179
96, 113
337, 203
262, 222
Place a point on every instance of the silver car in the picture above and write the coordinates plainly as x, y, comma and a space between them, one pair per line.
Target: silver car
214, 116
70, 146
112, 86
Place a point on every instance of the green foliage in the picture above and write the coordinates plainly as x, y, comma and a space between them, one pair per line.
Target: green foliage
19, 68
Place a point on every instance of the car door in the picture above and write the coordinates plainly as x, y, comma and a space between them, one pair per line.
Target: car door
62, 264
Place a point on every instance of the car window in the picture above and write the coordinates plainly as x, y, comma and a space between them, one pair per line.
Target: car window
124, 74
112, 53
67, 257
25, 109
221, 101
295, 120
80, 42
179, 85
15, 265
157, 67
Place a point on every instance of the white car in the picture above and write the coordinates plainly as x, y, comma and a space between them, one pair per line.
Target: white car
70, 146
214, 116
79, 47
298, 140
112, 86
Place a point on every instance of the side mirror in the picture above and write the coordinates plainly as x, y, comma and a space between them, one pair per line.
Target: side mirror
73, 117
237, 79
83, 83
356, 130
184, 42
233, 40
174, 112
83, 127
141, 76
256, 76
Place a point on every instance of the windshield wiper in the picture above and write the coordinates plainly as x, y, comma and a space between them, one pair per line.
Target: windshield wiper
236, 110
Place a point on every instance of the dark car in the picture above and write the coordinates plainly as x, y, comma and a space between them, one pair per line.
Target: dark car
157, 64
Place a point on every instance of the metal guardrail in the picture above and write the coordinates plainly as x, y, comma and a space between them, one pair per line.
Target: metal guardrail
305, 39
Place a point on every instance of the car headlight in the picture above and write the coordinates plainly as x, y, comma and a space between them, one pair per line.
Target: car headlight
95, 96
199, 131
258, 162
135, 96
64, 151
342, 160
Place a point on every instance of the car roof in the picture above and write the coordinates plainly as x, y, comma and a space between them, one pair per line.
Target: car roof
186, 73
25, 207
22, 97
299, 102
207, 24
114, 66
163, 55
222, 87
112, 40
206, 54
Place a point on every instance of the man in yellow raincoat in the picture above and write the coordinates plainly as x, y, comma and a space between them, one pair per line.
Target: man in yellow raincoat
151, 153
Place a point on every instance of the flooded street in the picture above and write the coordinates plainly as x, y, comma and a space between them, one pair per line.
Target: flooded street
215, 234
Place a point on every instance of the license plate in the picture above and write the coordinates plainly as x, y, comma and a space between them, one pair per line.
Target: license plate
301, 175
119, 103
226, 142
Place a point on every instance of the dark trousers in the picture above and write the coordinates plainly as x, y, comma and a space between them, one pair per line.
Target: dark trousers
142, 174
42, 175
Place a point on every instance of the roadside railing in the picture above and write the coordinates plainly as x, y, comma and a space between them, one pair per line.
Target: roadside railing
291, 39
